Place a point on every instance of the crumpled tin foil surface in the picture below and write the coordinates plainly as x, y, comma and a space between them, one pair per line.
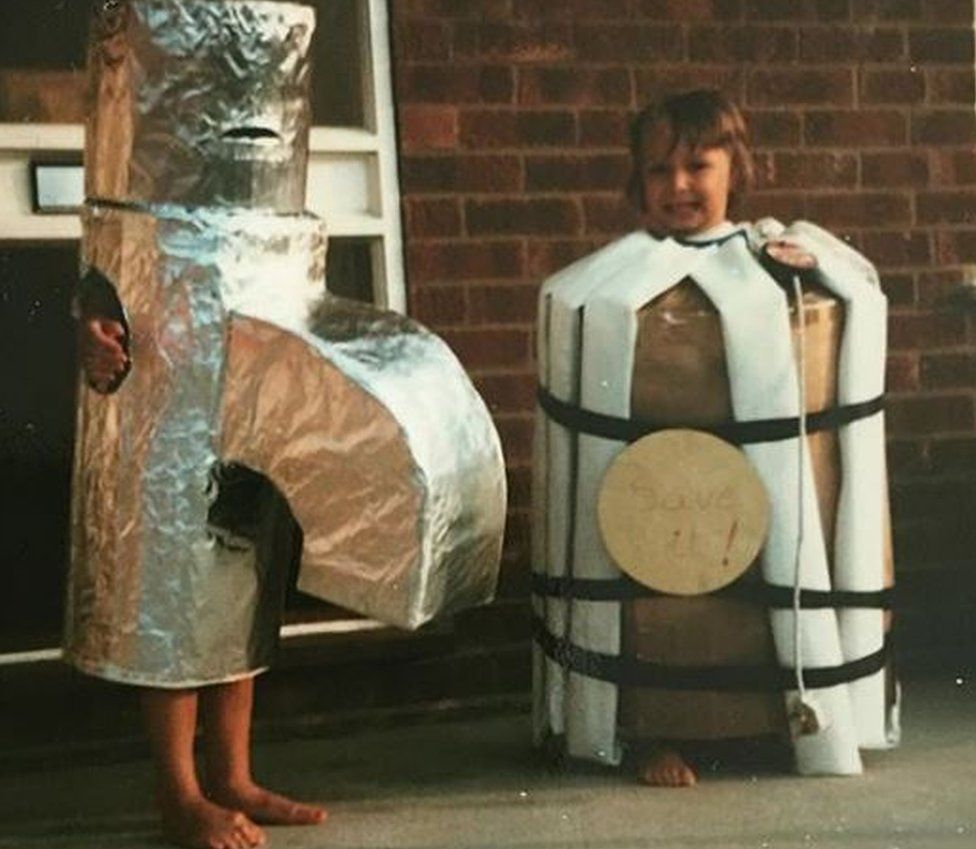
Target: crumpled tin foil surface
153, 597
199, 102
387, 455
364, 421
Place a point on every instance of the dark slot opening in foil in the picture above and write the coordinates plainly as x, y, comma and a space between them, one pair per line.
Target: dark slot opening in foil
255, 134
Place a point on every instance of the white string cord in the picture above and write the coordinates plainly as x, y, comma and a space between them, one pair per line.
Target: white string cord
801, 464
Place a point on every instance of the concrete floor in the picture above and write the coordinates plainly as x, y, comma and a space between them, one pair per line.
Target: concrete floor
476, 784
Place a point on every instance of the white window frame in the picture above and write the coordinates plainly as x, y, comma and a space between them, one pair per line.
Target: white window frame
362, 161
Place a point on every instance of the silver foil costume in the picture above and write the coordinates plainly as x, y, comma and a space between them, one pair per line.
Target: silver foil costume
195, 238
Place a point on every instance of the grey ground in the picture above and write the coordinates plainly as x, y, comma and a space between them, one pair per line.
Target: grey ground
476, 784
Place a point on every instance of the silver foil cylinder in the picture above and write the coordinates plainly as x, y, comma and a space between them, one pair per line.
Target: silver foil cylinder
364, 422
153, 597
199, 102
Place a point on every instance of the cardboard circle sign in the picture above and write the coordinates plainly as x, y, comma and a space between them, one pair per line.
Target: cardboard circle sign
682, 512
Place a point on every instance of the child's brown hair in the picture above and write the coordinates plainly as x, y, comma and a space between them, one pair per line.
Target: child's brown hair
701, 118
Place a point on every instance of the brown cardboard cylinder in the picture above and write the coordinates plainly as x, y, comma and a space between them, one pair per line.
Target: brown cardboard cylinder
680, 379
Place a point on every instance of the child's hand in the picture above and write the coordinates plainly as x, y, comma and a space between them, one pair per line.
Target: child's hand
103, 356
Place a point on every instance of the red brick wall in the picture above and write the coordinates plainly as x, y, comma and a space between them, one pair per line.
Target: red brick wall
513, 117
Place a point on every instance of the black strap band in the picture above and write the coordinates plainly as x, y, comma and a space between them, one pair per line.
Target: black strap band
769, 595
630, 672
739, 433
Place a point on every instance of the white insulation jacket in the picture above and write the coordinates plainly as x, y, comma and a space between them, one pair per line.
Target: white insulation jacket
587, 333
357, 420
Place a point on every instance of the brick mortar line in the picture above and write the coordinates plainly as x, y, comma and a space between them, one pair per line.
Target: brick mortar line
802, 148
743, 67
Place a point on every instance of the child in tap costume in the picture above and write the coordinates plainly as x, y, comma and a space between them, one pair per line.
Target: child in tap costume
245, 373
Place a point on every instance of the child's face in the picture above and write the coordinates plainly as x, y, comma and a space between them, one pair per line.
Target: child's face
686, 190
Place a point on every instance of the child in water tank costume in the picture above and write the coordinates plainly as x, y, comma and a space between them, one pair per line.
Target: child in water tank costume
695, 324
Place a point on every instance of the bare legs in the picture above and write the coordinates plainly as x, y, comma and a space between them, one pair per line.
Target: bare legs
226, 710
223, 817
189, 818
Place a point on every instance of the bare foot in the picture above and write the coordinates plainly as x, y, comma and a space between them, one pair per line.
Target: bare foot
666, 768
199, 824
266, 807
